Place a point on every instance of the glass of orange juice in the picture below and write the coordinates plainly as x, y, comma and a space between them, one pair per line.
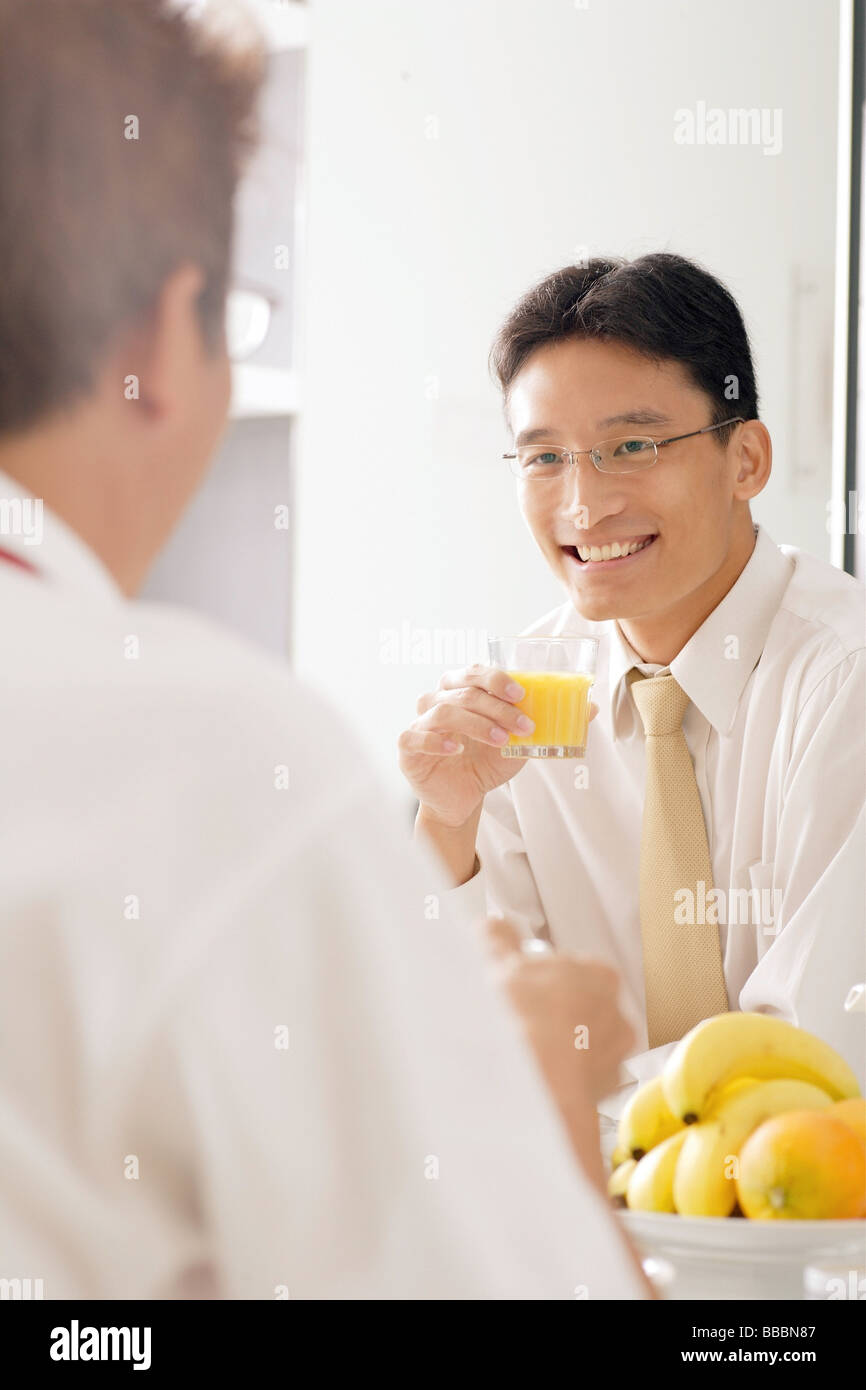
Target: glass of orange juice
556, 673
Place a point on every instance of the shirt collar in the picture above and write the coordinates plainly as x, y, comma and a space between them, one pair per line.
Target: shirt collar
718, 659
38, 536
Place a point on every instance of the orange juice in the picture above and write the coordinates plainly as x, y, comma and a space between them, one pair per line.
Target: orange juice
558, 702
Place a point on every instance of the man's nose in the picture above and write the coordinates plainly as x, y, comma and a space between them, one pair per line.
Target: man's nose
587, 493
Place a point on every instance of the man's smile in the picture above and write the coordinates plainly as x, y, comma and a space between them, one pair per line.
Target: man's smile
613, 555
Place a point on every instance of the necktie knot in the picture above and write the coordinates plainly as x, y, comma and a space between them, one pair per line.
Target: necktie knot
661, 702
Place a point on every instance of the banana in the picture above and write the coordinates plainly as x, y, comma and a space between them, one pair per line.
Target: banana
651, 1185
618, 1180
744, 1044
704, 1182
618, 1156
646, 1120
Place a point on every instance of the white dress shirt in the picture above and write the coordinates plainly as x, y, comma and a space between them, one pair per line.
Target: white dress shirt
776, 676
240, 1053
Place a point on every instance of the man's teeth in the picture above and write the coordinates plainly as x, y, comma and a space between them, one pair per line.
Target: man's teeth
611, 552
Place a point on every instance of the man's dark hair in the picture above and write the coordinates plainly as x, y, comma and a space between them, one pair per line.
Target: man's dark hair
92, 222
662, 306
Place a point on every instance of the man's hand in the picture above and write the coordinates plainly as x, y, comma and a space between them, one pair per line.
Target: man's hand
553, 995
451, 756
569, 1012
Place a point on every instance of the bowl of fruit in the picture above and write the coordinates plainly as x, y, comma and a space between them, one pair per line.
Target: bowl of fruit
744, 1161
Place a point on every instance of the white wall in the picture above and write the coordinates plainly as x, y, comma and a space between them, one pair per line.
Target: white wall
457, 153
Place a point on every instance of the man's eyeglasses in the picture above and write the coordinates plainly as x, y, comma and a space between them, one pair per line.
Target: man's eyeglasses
247, 319
611, 456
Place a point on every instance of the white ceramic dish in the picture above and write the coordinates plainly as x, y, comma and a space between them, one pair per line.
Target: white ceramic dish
736, 1258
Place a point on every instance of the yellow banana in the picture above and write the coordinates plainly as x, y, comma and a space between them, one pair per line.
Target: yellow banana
651, 1185
618, 1180
646, 1120
618, 1156
744, 1044
704, 1183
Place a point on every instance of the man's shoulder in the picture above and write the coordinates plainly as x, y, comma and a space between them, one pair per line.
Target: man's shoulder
168, 650
194, 651
168, 681
823, 607
251, 695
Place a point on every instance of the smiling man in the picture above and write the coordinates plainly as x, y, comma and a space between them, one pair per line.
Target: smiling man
711, 845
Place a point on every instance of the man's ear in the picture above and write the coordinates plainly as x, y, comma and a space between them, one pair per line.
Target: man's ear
752, 460
167, 346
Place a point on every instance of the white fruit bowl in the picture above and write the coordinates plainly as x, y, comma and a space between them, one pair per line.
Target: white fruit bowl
735, 1258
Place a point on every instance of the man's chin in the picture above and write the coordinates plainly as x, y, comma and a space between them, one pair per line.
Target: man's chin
596, 608
593, 611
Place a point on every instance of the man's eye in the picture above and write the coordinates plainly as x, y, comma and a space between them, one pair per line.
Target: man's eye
545, 459
632, 446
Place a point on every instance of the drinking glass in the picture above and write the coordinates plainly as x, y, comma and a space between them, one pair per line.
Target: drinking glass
556, 674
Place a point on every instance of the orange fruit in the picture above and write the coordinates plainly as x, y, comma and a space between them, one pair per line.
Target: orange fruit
805, 1165
852, 1113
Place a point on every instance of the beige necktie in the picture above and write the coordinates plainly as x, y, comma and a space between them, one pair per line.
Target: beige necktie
682, 964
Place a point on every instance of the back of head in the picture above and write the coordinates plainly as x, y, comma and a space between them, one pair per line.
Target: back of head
123, 129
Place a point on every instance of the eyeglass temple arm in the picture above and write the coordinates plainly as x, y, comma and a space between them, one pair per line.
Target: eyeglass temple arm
734, 420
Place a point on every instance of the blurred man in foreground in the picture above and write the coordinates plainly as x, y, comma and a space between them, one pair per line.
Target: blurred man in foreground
237, 1059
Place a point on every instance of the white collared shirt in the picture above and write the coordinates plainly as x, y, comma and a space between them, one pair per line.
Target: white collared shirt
775, 728
231, 1063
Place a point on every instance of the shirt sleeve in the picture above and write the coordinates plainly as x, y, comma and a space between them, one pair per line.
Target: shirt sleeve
366, 1121
818, 950
504, 885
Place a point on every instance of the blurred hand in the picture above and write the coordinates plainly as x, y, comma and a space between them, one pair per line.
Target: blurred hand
569, 1014
553, 994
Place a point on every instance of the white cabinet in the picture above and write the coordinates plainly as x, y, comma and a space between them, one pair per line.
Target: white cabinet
231, 555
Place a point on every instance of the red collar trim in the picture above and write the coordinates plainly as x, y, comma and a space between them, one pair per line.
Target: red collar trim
19, 560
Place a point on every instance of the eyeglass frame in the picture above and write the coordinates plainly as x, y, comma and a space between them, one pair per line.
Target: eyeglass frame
241, 285
656, 443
